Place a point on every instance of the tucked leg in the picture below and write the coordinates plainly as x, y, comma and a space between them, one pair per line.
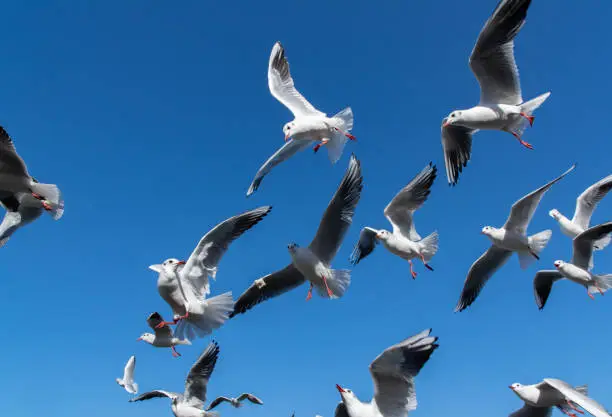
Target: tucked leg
318, 145
425, 263
414, 274
175, 353
529, 117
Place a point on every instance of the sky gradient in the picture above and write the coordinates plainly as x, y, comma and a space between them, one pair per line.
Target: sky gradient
153, 117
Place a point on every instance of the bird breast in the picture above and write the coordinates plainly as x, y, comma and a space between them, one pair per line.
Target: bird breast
509, 240
400, 246
574, 273
308, 263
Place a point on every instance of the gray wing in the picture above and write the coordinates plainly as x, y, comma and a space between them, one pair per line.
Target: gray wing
340, 410
365, 246
583, 244
217, 401
154, 394
285, 152
128, 371
282, 87
393, 372
492, 59
155, 319
271, 285
400, 210
339, 214
457, 147
542, 285
206, 256
197, 379
522, 211
572, 394
250, 397
479, 274
529, 411
10, 162
588, 200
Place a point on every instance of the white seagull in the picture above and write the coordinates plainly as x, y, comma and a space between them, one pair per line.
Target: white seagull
393, 373
185, 285
404, 241
511, 237
312, 264
127, 382
309, 124
191, 402
235, 402
14, 178
540, 398
585, 206
501, 104
162, 336
578, 270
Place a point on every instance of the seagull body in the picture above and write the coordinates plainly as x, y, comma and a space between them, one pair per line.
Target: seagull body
510, 238
501, 104
309, 125
191, 403
393, 373
313, 264
540, 398
127, 382
185, 285
585, 206
578, 270
235, 402
15, 179
163, 336
21, 209
404, 241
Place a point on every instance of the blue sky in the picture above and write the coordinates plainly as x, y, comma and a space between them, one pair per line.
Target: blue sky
153, 118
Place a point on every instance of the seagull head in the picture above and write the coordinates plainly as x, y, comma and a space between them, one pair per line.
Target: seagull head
558, 264
515, 386
292, 247
171, 264
554, 213
346, 394
146, 337
453, 118
383, 235
289, 130
487, 230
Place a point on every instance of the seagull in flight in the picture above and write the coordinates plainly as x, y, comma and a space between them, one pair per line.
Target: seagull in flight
501, 104
162, 336
404, 241
235, 402
312, 263
511, 237
127, 382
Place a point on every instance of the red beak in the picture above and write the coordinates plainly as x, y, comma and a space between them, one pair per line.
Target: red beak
287, 137
510, 386
445, 124
339, 388
181, 263
139, 339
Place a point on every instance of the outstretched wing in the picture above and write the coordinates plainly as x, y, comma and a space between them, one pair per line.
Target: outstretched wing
206, 256
492, 59
156, 319
457, 147
217, 401
583, 244
154, 394
572, 394
282, 87
339, 214
11, 163
542, 285
529, 411
588, 200
400, 210
197, 379
365, 246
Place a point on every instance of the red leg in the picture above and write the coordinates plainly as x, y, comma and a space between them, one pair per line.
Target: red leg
425, 263
521, 141
165, 323
329, 292
347, 134
309, 296
46, 206
175, 353
414, 274
573, 407
600, 290
590, 295
528, 117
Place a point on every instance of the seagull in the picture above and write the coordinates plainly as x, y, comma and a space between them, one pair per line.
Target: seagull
393, 373
585, 206
309, 124
14, 178
21, 209
163, 336
501, 104
511, 237
127, 381
185, 285
313, 263
404, 241
578, 270
191, 403
236, 402
540, 398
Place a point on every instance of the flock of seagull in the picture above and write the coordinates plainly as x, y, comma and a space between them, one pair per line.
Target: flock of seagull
186, 285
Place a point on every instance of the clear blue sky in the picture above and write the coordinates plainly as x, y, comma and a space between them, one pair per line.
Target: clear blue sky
153, 118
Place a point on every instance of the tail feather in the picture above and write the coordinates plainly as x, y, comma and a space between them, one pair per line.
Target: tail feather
215, 311
429, 246
583, 389
537, 243
345, 119
530, 106
338, 281
602, 284
52, 195
337, 141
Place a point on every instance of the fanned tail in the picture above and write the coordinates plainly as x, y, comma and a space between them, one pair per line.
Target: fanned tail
337, 141
429, 246
602, 283
52, 196
537, 243
338, 281
214, 312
